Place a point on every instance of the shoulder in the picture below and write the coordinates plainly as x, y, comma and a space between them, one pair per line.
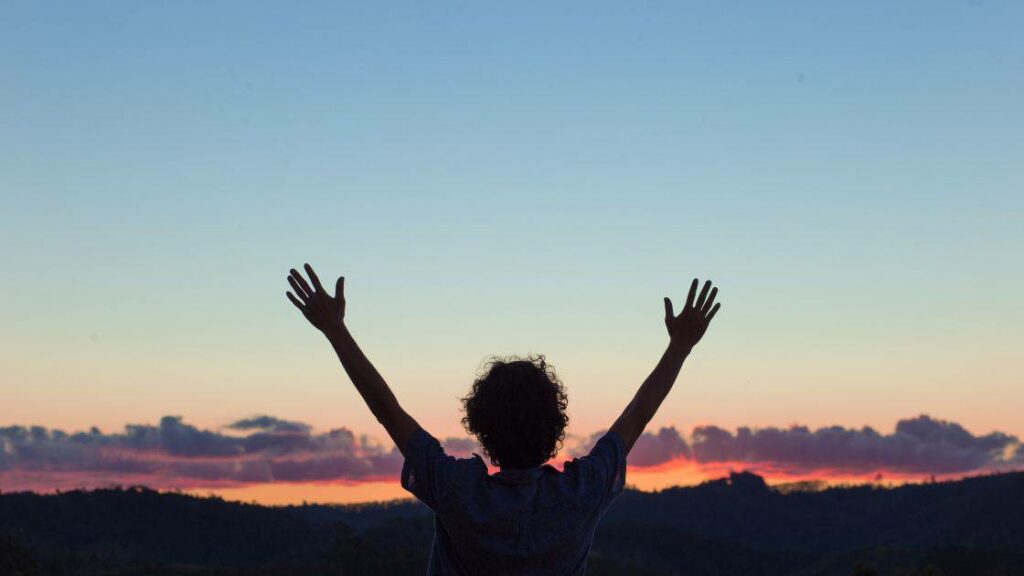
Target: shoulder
608, 451
426, 459
431, 475
424, 447
611, 442
602, 472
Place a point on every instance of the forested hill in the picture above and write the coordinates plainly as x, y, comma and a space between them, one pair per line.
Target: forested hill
735, 526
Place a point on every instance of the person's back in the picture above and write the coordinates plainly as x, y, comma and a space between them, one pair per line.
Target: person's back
528, 518
525, 521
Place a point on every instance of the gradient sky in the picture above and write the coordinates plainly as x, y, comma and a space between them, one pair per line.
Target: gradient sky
511, 179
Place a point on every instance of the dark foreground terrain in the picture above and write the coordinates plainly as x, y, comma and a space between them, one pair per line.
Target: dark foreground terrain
728, 527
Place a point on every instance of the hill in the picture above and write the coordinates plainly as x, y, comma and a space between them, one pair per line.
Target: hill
734, 526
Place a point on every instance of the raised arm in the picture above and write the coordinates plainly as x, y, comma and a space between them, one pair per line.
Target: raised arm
684, 331
327, 314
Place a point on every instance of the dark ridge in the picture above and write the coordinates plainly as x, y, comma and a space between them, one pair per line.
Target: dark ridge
734, 526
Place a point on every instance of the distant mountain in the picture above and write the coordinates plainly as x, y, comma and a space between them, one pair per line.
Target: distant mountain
734, 526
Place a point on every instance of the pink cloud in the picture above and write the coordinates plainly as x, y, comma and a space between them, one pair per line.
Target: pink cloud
265, 450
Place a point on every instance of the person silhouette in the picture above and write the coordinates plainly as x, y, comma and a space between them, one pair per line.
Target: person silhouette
528, 518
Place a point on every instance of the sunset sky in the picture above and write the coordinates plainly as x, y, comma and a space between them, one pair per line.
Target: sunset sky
508, 179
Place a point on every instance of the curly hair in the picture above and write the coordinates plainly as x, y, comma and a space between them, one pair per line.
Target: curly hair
516, 409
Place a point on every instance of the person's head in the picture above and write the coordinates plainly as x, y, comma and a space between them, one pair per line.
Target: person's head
516, 409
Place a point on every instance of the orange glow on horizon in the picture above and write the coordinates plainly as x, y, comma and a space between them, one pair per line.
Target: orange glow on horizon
287, 493
677, 472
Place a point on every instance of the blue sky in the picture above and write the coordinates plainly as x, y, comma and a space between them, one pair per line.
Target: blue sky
496, 179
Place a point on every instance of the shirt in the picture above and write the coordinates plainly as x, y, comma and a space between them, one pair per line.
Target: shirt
529, 522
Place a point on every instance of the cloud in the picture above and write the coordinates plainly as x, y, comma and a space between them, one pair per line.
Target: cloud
265, 449
917, 445
650, 449
269, 423
462, 447
176, 454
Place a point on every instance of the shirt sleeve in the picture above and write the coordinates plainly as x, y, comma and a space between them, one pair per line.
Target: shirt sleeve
426, 467
608, 461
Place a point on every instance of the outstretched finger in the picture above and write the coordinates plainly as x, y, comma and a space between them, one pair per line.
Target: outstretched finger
313, 278
692, 294
302, 282
298, 290
669, 314
703, 295
295, 301
710, 301
712, 313
339, 287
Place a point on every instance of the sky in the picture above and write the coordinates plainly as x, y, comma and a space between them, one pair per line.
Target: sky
508, 179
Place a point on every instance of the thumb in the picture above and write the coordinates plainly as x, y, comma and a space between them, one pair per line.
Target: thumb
339, 287
669, 314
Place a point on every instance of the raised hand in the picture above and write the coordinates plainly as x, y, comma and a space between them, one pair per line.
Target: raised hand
689, 326
322, 310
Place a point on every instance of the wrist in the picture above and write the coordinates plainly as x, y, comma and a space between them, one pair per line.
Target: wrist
335, 331
680, 348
